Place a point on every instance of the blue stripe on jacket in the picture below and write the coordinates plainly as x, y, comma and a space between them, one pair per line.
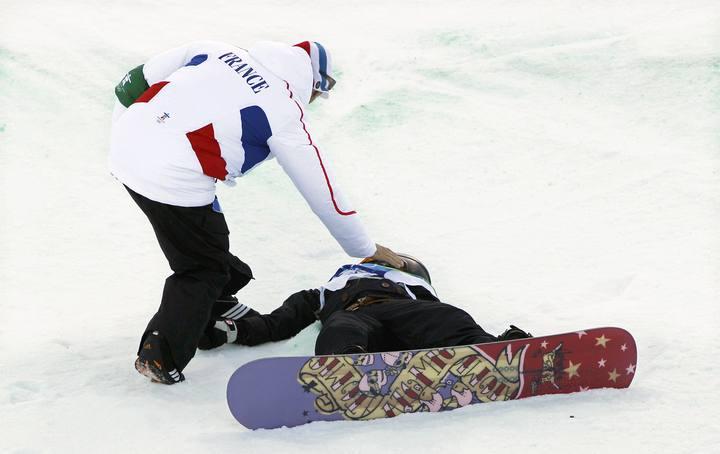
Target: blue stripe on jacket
255, 134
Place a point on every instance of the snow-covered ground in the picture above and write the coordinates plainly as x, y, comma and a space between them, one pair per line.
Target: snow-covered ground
555, 163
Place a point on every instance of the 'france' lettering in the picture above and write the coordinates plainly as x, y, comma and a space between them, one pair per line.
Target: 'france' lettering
255, 80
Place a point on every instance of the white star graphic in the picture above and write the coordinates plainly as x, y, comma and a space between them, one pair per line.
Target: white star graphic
602, 362
584, 388
623, 347
630, 369
544, 344
613, 376
602, 340
572, 370
581, 334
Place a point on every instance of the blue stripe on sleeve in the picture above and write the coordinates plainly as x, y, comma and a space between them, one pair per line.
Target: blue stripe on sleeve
196, 60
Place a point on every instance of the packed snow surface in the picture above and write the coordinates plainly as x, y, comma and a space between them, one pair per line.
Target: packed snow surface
556, 164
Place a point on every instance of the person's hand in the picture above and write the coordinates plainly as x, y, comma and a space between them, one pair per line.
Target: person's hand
383, 254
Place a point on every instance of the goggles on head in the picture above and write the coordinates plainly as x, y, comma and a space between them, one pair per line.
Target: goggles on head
325, 84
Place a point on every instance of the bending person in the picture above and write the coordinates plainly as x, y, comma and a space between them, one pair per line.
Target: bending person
209, 112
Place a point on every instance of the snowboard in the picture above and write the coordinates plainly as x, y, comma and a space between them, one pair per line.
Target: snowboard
290, 391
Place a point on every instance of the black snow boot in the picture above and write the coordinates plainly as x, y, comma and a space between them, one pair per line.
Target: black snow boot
513, 333
222, 328
154, 361
218, 333
228, 307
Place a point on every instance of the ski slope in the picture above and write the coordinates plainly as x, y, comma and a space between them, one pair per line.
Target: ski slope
556, 164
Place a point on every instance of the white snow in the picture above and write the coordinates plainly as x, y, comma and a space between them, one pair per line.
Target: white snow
555, 163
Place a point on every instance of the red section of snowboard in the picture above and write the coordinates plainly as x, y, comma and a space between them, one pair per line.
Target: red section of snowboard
573, 362
275, 392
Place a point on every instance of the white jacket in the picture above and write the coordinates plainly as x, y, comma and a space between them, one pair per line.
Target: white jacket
214, 112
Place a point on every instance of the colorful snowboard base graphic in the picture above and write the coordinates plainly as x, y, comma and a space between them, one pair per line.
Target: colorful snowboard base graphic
290, 391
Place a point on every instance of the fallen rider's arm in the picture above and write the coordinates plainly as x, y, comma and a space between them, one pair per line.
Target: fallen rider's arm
296, 313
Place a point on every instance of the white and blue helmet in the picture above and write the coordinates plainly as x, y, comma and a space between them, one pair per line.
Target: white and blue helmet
321, 66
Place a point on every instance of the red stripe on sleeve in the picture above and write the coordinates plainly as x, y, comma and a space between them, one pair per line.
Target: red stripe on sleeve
317, 152
151, 92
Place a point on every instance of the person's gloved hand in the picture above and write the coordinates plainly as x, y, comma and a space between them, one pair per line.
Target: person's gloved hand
383, 254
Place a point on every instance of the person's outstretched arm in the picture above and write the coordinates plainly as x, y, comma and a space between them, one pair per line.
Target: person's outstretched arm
296, 314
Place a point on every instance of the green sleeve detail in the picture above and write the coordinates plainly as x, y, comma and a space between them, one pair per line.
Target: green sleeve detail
131, 86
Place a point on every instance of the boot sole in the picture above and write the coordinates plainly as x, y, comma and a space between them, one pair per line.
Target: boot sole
151, 371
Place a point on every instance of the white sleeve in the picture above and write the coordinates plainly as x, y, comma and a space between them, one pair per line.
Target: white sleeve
161, 66
309, 171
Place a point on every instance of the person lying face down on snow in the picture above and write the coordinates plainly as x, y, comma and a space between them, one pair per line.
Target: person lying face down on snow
364, 308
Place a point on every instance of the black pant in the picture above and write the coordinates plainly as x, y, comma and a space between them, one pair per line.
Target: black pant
396, 324
400, 324
195, 241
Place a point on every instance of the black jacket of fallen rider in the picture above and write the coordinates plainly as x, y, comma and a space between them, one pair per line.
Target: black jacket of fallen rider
302, 309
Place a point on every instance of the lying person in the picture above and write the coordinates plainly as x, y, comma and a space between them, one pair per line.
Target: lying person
364, 308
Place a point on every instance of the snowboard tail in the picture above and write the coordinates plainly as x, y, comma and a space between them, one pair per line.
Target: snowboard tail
290, 391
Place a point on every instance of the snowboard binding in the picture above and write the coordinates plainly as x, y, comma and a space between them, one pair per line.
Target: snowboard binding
514, 333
